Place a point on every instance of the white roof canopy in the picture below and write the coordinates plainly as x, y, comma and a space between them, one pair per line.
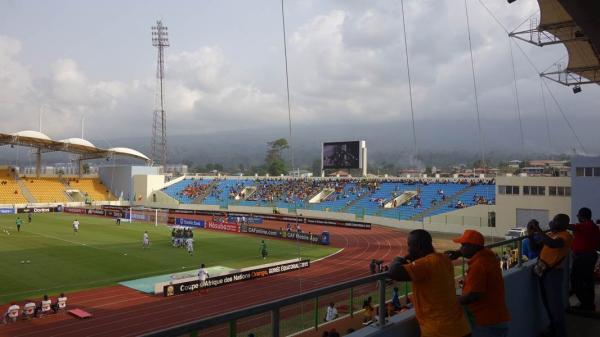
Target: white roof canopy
72, 145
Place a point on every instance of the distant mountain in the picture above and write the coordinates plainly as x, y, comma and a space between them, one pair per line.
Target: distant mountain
440, 143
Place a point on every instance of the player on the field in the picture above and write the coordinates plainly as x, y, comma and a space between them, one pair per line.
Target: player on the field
202, 276
75, 226
189, 243
29, 215
146, 240
263, 249
19, 222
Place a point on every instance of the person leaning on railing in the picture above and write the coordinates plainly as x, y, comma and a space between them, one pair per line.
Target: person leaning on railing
434, 296
530, 247
550, 270
483, 291
586, 241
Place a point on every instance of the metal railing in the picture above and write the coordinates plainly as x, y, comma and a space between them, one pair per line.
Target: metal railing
275, 307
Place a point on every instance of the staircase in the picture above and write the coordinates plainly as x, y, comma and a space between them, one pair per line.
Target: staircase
401, 199
75, 196
326, 192
200, 199
441, 204
25, 191
366, 195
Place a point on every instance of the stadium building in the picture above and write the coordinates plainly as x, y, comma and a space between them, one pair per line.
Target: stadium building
278, 250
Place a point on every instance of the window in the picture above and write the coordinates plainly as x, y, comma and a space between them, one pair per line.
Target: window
589, 171
534, 190
507, 189
561, 191
491, 219
596, 171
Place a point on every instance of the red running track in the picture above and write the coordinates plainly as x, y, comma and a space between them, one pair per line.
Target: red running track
121, 311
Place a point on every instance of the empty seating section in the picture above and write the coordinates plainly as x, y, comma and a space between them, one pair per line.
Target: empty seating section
430, 195
10, 192
91, 187
478, 194
341, 198
350, 196
46, 189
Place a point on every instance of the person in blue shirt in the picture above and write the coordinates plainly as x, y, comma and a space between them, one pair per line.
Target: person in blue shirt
531, 245
396, 300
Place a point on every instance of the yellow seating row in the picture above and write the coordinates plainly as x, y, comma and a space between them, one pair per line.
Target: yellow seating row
46, 189
93, 187
10, 192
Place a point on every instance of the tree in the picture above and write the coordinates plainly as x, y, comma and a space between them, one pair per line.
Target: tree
214, 167
428, 170
274, 161
316, 167
86, 168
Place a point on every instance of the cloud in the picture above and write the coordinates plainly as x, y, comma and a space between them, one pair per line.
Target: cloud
14, 76
347, 64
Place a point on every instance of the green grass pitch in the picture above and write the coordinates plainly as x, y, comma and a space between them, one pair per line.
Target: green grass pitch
103, 253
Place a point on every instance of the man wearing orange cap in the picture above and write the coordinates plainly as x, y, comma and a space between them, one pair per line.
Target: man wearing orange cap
483, 291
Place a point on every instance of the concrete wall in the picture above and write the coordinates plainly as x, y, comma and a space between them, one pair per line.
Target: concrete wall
522, 298
585, 191
507, 205
144, 185
389, 222
119, 179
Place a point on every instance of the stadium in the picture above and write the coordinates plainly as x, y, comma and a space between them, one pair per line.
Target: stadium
119, 243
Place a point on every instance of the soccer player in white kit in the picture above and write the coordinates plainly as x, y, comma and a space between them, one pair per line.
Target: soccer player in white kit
202, 276
75, 226
146, 240
190, 245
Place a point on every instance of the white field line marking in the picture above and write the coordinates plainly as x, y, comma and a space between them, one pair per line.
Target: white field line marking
330, 255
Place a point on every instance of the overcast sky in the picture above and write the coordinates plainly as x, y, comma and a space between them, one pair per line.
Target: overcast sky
225, 67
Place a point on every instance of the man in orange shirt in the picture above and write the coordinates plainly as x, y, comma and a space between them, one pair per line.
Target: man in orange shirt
483, 292
434, 295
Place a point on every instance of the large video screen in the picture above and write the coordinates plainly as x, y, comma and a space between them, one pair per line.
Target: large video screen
341, 155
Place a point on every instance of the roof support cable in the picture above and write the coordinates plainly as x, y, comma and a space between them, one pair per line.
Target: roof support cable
562, 113
481, 139
287, 86
546, 114
412, 112
517, 105
537, 71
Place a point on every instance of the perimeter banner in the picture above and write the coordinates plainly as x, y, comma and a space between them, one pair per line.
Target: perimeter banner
38, 209
224, 227
75, 210
322, 239
211, 282
7, 211
189, 222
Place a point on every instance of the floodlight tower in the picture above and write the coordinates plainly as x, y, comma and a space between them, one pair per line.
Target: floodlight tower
160, 40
